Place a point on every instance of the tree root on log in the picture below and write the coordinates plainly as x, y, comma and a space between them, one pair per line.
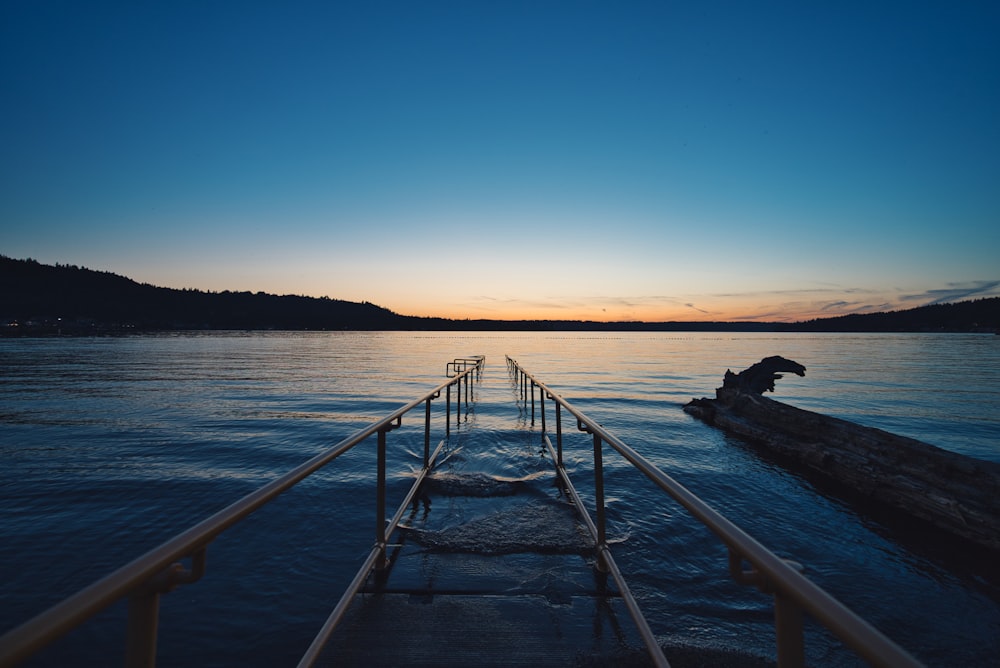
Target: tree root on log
953, 492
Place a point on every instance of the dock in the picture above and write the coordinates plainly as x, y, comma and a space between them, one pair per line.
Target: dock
473, 568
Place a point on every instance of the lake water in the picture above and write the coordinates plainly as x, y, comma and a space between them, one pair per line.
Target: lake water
110, 446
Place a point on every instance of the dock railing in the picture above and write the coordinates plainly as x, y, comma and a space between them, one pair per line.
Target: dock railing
794, 594
162, 569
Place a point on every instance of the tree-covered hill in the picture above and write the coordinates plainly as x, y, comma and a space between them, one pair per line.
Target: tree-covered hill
70, 298
977, 315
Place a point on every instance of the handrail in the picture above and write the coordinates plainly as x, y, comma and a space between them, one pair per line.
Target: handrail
605, 562
374, 561
460, 364
793, 592
158, 570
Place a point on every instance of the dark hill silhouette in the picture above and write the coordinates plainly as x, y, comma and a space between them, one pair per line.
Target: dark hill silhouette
71, 298
977, 315
40, 299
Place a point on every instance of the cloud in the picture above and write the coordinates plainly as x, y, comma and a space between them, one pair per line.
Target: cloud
700, 310
845, 307
955, 292
792, 292
494, 303
763, 316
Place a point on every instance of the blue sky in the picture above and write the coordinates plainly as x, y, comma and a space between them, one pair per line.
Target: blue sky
607, 161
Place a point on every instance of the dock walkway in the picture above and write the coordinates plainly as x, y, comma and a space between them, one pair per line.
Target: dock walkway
492, 558
456, 595
489, 569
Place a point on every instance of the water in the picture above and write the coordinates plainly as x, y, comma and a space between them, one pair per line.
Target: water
110, 446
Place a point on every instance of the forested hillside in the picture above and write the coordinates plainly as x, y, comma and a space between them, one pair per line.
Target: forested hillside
977, 315
71, 298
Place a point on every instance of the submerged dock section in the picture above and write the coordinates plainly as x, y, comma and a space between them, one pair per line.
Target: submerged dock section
475, 567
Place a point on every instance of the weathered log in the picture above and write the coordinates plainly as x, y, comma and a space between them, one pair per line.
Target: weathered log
953, 492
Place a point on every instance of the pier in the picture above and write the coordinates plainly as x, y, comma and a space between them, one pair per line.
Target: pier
474, 569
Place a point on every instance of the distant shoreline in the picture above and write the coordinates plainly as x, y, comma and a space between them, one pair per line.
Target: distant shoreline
99, 330
65, 300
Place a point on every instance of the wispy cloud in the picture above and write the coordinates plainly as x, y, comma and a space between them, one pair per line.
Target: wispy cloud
488, 303
955, 292
700, 310
795, 292
845, 307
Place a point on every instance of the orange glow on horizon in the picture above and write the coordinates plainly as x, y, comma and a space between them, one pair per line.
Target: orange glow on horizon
732, 313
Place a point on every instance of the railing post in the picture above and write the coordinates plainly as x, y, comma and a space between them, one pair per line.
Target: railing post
458, 403
144, 609
427, 431
602, 540
143, 622
788, 629
559, 433
532, 402
380, 538
541, 401
447, 411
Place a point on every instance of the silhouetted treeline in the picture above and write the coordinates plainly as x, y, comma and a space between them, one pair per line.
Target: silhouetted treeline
977, 315
76, 300
38, 299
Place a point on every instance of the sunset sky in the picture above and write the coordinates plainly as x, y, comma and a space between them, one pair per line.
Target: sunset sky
481, 159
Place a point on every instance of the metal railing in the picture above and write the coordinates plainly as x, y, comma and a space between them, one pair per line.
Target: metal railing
161, 569
794, 594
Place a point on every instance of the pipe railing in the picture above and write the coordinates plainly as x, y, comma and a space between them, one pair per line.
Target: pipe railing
161, 569
458, 366
793, 593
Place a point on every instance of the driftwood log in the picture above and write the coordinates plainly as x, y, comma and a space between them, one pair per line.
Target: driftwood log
760, 377
953, 492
